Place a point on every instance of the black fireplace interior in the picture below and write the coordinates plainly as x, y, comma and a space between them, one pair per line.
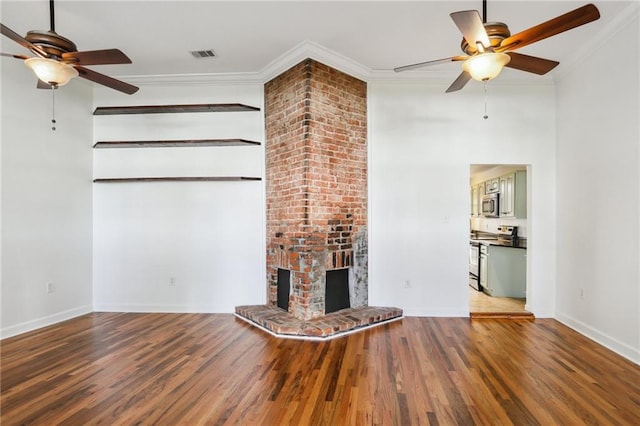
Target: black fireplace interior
284, 287
337, 290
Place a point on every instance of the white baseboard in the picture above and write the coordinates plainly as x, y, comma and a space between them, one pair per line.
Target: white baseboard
540, 314
173, 309
430, 312
23, 327
621, 348
210, 309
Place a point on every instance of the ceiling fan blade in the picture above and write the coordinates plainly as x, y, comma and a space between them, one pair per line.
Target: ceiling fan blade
471, 27
429, 63
459, 82
575, 18
98, 57
8, 32
532, 64
106, 80
11, 55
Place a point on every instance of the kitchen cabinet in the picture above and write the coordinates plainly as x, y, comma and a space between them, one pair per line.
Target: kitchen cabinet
492, 186
483, 266
503, 271
513, 195
477, 192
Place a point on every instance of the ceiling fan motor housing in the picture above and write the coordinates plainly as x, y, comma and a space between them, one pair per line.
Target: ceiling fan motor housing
51, 42
496, 31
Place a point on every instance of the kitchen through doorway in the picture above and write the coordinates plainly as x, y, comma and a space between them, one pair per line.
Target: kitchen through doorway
498, 226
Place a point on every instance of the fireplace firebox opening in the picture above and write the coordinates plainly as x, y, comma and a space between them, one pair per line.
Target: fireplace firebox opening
284, 288
336, 290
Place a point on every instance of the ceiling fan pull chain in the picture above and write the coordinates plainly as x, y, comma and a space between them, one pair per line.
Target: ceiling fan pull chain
485, 116
53, 107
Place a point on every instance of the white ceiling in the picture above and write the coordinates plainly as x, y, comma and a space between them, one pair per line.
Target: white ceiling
248, 36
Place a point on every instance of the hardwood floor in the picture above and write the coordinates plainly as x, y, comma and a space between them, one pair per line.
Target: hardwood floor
481, 302
482, 305
170, 369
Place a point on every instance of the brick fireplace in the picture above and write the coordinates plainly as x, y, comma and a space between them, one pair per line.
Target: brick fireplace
316, 197
316, 184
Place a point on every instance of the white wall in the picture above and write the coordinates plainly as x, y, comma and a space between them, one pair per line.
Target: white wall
598, 189
179, 246
46, 201
422, 142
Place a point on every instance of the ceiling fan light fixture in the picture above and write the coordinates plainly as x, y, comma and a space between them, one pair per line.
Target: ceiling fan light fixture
485, 66
51, 71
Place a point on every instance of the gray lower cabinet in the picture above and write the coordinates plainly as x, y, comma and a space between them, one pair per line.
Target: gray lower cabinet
503, 271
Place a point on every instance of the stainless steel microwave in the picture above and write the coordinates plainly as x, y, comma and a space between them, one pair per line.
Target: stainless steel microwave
490, 205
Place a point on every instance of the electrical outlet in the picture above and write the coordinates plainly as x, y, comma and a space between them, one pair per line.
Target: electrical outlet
50, 287
407, 284
582, 293
172, 281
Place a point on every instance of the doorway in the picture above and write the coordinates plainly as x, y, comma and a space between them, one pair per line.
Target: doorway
498, 226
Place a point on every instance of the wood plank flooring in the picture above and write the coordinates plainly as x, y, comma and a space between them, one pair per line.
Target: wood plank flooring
481, 302
482, 306
187, 369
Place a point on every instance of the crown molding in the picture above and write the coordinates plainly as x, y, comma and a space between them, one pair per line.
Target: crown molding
193, 79
604, 37
310, 50
304, 50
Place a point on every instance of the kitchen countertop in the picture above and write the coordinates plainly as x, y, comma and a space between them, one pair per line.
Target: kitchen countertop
521, 243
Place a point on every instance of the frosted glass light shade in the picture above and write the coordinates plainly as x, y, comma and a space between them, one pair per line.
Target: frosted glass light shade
51, 71
485, 66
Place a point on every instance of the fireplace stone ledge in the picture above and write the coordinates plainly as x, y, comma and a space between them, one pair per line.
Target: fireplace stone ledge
282, 324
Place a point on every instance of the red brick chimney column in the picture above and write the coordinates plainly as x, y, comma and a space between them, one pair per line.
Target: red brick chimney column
316, 183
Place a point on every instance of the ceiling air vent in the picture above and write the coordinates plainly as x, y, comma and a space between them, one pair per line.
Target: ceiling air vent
199, 54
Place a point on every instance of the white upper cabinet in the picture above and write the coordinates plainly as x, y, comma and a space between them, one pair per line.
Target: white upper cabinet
477, 191
492, 186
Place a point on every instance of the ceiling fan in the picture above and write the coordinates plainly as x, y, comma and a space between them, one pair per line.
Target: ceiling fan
57, 59
489, 46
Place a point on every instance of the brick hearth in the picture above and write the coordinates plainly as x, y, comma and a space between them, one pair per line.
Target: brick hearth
283, 324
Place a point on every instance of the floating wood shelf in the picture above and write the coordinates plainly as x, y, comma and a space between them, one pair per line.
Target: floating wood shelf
160, 109
175, 143
178, 179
